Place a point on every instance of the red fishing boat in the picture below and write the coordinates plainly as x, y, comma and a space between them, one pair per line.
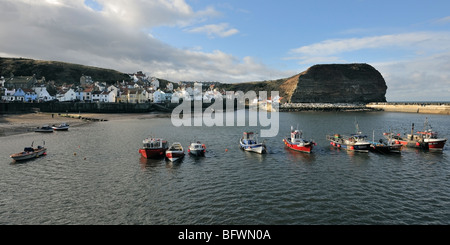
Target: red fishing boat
153, 148
297, 143
426, 139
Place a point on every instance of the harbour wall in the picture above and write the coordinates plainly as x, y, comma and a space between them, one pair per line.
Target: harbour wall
293, 107
413, 107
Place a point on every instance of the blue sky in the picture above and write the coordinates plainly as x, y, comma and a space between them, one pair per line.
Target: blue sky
239, 41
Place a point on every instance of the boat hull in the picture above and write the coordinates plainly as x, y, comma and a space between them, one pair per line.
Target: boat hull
307, 148
196, 152
43, 130
152, 153
386, 149
23, 156
40, 151
435, 144
352, 147
258, 148
61, 128
174, 155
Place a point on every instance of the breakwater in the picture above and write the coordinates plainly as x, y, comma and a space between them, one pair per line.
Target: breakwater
292, 107
413, 107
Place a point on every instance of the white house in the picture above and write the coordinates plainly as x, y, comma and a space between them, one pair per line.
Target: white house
169, 87
70, 95
42, 93
105, 96
155, 83
159, 96
109, 97
9, 94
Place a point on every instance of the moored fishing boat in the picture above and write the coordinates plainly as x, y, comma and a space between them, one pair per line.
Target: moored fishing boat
297, 143
385, 147
197, 149
175, 152
426, 139
26, 154
153, 148
29, 153
249, 142
354, 142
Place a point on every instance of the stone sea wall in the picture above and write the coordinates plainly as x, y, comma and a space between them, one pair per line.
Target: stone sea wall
292, 107
413, 107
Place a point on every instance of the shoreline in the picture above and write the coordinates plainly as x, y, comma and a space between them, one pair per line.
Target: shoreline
15, 124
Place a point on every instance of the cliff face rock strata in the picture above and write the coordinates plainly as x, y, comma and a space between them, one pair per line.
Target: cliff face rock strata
340, 83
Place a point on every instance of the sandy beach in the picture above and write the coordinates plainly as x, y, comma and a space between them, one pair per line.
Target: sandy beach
13, 124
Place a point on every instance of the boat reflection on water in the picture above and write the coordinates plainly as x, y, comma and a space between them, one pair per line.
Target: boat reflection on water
297, 156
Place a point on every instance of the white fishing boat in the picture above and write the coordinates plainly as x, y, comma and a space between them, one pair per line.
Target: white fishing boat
61, 127
44, 129
29, 153
197, 149
175, 152
249, 142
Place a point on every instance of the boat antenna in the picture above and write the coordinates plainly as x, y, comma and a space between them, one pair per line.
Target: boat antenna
357, 127
426, 125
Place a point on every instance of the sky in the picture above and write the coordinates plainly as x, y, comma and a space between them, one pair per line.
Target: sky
234, 41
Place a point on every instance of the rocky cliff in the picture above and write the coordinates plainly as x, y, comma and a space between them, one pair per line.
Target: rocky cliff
339, 83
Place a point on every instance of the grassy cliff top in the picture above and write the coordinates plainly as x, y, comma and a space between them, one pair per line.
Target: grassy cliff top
60, 72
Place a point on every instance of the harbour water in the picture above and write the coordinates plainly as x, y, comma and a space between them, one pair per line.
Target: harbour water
93, 174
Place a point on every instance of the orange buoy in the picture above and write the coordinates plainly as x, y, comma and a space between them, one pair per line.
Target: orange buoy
226, 150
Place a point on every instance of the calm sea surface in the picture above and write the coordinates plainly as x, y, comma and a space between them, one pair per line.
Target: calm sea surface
93, 174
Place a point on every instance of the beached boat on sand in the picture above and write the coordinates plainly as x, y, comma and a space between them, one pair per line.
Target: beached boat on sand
61, 127
44, 129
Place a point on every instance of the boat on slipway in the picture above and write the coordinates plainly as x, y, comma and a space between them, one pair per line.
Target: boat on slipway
175, 152
297, 143
153, 148
249, 142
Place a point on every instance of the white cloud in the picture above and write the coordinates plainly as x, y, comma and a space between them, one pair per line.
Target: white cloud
113, 36
419, 79
416, 40
443, 20
221, 30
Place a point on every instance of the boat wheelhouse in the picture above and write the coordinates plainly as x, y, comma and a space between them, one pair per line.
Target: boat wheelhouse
153, 148
249, 142
297, 143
